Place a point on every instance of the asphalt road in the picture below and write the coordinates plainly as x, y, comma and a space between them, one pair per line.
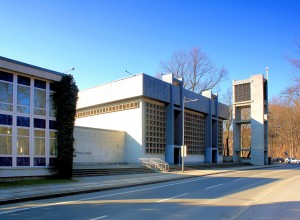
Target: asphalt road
249, 194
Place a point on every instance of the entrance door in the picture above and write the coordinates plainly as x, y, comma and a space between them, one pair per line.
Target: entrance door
214, 156
177, 156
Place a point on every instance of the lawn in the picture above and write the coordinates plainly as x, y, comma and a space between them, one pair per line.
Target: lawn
19, 183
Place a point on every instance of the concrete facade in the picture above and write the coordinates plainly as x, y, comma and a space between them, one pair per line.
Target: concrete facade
98, 146
150, 112
250, 109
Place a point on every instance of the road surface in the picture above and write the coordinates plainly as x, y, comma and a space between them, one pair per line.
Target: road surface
250, 194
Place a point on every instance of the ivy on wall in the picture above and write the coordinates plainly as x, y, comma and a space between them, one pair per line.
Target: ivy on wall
64, 101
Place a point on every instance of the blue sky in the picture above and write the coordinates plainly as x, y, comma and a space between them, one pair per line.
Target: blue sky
103, 38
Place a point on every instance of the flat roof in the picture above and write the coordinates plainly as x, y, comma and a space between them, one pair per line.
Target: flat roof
31, 66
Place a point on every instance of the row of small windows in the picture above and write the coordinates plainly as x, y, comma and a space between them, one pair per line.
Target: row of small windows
108, 109
23, 95
25, 121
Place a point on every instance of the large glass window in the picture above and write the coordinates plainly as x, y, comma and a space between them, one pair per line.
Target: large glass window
5, 140
53, 143
6, 96
23, 99
39, 143
39, 101
23, 141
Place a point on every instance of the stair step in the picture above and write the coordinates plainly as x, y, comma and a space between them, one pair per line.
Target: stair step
109, 171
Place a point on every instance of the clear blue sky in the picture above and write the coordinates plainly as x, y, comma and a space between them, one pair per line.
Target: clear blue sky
103, 38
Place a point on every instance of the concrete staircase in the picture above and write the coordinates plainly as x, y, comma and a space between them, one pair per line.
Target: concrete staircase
107, 171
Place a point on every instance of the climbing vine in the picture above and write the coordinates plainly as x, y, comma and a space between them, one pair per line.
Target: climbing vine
64, 100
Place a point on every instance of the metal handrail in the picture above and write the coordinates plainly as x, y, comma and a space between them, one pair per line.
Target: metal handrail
155, 164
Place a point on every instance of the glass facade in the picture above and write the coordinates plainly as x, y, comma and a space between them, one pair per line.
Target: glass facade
27, 121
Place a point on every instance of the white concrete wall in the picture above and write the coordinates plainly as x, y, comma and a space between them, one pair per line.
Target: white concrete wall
257, 120
98, 146
110, 92
129, 121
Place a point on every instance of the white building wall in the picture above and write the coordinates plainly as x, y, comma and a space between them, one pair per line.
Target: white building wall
129, 121
257, 120
110, 92
98, 146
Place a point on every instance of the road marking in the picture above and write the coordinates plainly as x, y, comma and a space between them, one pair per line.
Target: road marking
121, 193
214, 186
103, 196
259, 197
172, 197
239, 179
104, 216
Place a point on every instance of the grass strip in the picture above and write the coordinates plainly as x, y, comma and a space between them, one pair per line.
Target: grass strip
19, 183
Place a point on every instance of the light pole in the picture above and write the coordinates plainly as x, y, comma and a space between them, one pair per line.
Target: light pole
183, 148
69, 70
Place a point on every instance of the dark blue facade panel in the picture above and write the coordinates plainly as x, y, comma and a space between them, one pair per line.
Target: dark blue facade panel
201, 105
223, 111
156, 89
176, 95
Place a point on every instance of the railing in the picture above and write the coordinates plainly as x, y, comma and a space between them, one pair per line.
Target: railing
155, 164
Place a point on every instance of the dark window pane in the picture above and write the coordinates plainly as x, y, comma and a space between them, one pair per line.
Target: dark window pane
52, 86
5, 119
39, 84
6, 76
24, 80
6, 161
23, 161
23, 121
39, 161
52, 125
39, 123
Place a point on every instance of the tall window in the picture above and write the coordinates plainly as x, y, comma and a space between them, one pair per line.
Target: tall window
53, 143
39, 97
52, 111
39, 143
5, 134
23, 141
5, 140
6, 91
23, 96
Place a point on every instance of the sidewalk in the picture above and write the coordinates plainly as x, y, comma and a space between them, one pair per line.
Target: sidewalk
101, 183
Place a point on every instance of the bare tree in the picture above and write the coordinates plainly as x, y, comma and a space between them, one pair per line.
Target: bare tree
293, 91
198, 71
295, 61
228, 124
